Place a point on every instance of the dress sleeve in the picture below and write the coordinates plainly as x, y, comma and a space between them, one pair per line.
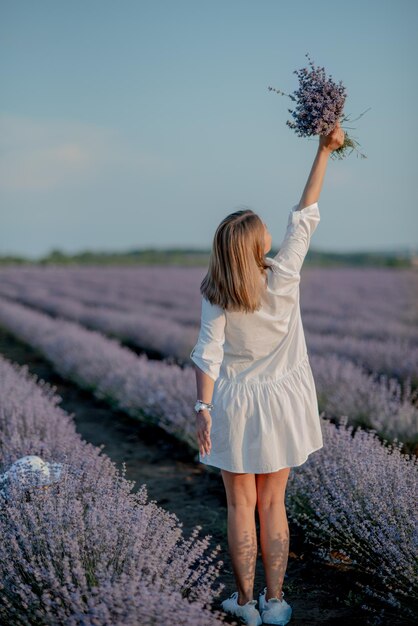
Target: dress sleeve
300, 227
208, 352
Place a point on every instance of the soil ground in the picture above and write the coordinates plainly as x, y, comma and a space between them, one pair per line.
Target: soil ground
319, 593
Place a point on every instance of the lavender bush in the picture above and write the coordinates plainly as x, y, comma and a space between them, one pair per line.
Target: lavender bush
367, 315
375, 329
151, 331
166, 292
338, 487
358, 498
163, 393
152, 391
87, 550
395, 357
367, 400
145, 329
364, 303
319, 106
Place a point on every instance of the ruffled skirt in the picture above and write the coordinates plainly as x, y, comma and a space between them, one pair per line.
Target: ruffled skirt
263, 426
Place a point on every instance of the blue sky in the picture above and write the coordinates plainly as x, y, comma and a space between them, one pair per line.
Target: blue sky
143, 123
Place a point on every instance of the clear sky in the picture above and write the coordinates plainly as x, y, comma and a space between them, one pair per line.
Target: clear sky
143, 123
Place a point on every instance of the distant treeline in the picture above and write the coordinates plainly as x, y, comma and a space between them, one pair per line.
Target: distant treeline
174, 256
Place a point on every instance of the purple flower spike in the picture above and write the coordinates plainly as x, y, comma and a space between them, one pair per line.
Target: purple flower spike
319, 103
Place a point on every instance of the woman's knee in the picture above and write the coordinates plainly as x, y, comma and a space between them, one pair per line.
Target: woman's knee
271, 488
241, 490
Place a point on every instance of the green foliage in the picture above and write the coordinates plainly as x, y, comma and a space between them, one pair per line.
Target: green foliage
194, 257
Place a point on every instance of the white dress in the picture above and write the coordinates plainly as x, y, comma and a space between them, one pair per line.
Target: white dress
265, 415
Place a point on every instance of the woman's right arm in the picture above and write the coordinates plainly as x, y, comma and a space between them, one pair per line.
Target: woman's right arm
327, 144
304, 217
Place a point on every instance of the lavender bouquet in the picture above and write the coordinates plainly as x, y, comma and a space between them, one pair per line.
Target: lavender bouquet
319, 106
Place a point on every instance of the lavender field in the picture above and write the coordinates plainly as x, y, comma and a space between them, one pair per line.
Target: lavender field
361, 329
125, 334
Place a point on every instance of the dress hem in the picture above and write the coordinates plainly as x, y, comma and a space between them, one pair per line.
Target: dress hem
264, 471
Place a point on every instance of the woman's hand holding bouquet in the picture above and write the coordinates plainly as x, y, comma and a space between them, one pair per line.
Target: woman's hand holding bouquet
319, 110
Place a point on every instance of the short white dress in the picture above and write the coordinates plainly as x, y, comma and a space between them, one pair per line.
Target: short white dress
265, 415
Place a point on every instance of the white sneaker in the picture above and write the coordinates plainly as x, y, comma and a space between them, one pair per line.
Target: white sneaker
274, 611
247, 612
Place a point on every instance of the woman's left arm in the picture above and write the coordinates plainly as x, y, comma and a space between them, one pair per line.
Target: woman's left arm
207, 355
208, 352
204, 385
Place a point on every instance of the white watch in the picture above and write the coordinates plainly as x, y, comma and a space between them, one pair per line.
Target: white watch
202, 405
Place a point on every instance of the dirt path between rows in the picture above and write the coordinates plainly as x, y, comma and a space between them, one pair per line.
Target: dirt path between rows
317, 592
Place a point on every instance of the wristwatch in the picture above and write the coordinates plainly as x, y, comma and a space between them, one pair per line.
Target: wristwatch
203, 405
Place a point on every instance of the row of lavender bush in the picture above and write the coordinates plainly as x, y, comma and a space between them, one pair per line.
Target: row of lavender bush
368, 400
358, 498
147, 329
150, 390
133, 382
342, 387
88, 550
168, 292
367, 316
393, 357
371, 302
365, 303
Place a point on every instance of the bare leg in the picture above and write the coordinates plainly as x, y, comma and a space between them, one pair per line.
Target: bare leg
274, 529
241, 497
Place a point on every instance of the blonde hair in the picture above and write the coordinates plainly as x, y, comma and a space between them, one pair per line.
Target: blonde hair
237, 263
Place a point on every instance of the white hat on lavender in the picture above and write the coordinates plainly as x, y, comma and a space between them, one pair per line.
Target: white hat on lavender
33, 471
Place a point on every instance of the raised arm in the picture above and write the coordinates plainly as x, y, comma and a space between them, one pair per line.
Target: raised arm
313, 187
304, 217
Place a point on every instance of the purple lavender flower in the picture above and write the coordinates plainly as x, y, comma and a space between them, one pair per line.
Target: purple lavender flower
86, 549
319, 106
